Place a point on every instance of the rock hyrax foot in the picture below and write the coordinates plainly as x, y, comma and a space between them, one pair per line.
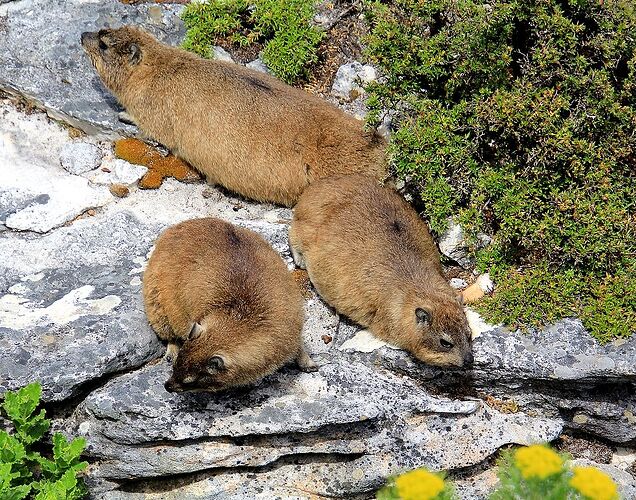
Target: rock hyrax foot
171, 353
298, 257
305, 363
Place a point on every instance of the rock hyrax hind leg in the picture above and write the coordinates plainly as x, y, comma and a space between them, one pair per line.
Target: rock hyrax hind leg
305, 363
297, 255
171, 352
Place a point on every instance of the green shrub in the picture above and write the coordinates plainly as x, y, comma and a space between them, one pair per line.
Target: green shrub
284, 27
24, 471
520, 119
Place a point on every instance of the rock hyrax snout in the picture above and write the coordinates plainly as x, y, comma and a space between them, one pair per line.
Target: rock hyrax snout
372, 258
242, 128
226, 298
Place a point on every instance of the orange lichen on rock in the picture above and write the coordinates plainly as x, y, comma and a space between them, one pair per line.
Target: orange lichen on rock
159, 166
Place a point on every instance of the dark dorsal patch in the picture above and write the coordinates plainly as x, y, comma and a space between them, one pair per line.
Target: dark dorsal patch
253, 81
232, 237
396, 226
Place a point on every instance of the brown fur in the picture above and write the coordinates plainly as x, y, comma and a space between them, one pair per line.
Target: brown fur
371, 257
242, 128
223, 293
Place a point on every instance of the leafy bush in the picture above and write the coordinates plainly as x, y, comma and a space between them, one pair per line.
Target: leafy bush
24, 471
530, 473
290, 40
520, 119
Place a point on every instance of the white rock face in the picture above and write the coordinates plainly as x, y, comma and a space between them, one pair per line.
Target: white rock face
117, 171
220, 54
79, 157
453, 245
18, 313
55, 200
36, 194
458, 283
364, 341
349, 78
258, 65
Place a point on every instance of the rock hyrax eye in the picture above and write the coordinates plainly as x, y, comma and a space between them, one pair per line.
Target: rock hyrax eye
445, 344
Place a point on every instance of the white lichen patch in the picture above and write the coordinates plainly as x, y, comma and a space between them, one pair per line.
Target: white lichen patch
17, 313
33, 278
364, 341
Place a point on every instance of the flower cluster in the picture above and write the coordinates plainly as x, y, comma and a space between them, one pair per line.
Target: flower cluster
535, 471
419, 485
538, 461
593, 484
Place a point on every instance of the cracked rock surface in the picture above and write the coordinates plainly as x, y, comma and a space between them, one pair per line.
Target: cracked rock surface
71, 316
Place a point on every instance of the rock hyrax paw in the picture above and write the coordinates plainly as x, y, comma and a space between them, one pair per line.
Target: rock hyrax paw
309, 369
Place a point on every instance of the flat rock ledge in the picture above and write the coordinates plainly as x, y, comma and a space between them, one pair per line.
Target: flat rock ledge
71, 315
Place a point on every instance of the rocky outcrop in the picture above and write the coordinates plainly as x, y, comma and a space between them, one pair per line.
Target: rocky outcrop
372, 422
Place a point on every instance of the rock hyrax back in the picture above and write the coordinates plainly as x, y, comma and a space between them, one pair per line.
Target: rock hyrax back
371, 257
227, 297
242, 128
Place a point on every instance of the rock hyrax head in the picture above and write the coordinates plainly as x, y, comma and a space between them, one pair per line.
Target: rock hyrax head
116, 53
202, 364
438, 331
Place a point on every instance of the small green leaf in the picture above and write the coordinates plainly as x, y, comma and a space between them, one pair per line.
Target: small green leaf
15, 492
11, 450
20, 405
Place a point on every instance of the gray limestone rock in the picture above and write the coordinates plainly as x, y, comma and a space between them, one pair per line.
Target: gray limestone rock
372, 422
117, 171
562, 352
71, 319
220, 54
79, 157
258, 65
36, 194
458, 283
44, 62
350, 78
452, 244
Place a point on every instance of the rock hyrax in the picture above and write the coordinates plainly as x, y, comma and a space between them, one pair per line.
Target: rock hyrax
371, 257
242, 128
226, 297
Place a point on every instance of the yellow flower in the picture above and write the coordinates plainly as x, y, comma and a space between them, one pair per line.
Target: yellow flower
538, 461
419, 485
593, 484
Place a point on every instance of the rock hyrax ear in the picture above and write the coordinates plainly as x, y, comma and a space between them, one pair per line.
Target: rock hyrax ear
195, 331
423, 316
215, 365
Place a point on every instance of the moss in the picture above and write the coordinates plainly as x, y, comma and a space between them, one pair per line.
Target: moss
518, 118
289, 39
159, 166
